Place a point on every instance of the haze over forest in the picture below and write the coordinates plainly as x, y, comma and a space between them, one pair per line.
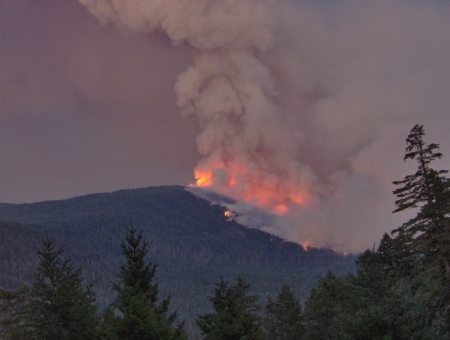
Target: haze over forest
322, 97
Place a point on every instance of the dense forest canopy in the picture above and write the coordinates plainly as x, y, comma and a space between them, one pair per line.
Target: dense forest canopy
192, 242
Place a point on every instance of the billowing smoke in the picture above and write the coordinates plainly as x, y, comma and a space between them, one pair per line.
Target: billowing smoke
303, 109
250, 150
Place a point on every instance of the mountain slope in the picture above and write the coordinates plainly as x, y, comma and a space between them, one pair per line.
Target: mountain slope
192, 241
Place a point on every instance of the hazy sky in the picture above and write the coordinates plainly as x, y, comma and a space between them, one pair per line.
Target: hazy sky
85, 108
331, 90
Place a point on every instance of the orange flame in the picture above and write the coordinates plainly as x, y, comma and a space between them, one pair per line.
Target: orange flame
202, 178
262, 193
228, 215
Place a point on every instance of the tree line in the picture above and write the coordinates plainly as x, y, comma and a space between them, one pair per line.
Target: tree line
401, 290
58, 306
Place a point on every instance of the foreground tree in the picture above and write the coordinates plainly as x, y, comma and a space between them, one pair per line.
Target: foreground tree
424, 241
13, 314
60, 307
283, 317
374, 304
140, 315
381, 304
235, 315
427, 235
323, 305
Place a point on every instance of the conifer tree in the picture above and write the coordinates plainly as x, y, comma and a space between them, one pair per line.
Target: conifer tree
422, 244
13, 318
283, 317
427, 235
140, 314
60, 307
270, 321
381, 304
323, 305
235, 316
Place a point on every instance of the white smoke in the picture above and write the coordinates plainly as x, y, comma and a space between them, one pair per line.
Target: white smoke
296, 102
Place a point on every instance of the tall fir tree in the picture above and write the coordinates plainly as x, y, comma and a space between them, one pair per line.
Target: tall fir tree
235, 316
140, 315
422, 244
427, 235
283, 317
60, 307
323, 305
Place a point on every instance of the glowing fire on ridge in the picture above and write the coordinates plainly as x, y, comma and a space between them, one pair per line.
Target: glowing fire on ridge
286, 198
228, 215
203, 179
267, 196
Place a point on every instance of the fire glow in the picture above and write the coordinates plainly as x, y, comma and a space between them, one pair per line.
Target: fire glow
228, 215
267, 196
203, 179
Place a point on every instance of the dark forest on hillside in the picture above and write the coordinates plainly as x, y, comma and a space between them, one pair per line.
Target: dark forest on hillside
192, 242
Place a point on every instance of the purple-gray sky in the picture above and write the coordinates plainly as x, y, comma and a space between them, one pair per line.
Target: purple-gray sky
84, 108
318, 96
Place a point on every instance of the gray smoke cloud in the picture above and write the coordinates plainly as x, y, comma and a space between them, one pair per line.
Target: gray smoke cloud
304, 107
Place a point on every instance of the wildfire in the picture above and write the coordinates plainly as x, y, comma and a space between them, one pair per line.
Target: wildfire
307, 245
203, 179
234, 181
275, 193
228, 214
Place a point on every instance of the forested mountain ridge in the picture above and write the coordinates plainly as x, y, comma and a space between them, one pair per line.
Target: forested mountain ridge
192, 241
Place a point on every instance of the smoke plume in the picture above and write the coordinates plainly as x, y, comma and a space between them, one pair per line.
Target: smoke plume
303, 108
